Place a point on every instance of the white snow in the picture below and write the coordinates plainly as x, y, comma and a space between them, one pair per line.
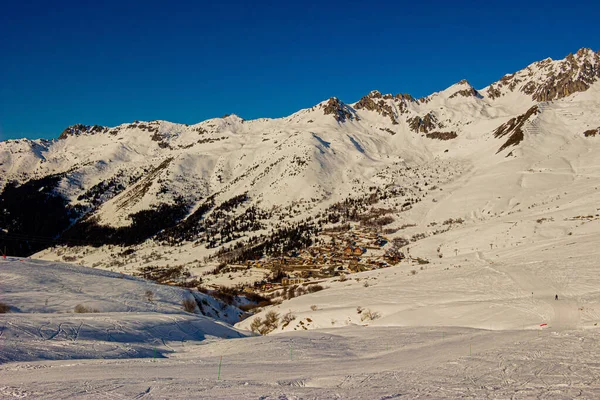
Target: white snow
479, 320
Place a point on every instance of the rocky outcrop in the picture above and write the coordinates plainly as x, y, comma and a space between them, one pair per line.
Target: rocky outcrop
493, 92
441, 135
469, 91
548, 80
340, 111
592, 132
424, 124
387, 105
79, 129
576, 74
376, 102
404, 97
514, 129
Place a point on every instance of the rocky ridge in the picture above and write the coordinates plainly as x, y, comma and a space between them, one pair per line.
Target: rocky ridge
549, 79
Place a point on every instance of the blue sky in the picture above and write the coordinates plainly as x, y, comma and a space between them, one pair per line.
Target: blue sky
111, 62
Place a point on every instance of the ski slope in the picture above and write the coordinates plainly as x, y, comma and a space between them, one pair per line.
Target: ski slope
478, 320
463, 326
132, 318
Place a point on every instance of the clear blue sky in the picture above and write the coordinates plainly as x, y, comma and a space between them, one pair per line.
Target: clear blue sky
110, 62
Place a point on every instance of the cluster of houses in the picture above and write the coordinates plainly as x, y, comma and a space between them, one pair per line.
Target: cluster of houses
335, 253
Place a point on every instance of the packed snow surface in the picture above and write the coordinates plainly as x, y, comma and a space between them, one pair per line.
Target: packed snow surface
445, 332
122, 317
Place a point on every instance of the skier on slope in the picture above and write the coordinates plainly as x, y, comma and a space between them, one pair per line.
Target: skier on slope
556, 297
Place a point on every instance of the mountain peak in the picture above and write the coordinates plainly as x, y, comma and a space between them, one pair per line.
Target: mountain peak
584, 51
340, 111
549, 79
461, 88
80, 129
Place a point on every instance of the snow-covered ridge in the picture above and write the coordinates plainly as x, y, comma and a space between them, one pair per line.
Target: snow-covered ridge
549, 79
151, 176
490, 205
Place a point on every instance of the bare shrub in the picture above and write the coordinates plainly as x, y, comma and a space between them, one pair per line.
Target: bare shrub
276, 302
255, 297
202, 289
4, 308
287, 318
225, 294
369, 315
413, 272
314, 307
271, 322
315, 288
291, 293
150, 295
81, 309
256, 325
189, 305
268, 325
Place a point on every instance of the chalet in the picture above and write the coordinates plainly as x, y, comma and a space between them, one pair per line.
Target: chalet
354, 251
359, 251
291, 281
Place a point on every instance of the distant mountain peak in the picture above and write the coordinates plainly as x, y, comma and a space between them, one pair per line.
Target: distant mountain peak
549, 79
340, 111
80, 129
464, 89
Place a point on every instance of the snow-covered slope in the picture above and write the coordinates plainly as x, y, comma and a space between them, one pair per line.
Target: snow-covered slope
409, 350
61, 311
223, 181
494, 194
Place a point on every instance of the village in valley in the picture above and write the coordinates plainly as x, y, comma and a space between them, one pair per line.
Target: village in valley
336, 252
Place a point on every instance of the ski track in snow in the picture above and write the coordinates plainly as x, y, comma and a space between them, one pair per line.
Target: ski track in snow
384, 362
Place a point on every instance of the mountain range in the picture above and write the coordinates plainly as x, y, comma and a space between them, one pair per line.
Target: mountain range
249, 188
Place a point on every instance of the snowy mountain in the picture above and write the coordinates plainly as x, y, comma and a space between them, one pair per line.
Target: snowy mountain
477, 208
229, 182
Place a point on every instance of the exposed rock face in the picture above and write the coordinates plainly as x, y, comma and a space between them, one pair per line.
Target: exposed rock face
548, 80
493, 92
79, 129
442, 135
514, 128
387, 105
592, 132
425, 124
340, 111
469, 91
374, 101
404, 97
